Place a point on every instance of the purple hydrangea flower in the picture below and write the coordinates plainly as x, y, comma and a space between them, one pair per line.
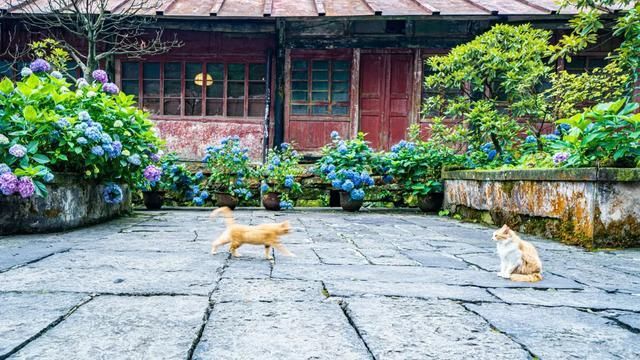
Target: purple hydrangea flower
26, 188
155, 157
116, 149
18, 150
152, 173
4, 168
560, 157
8, 184
81, 83
112, 194
110, 88
100, 76
39, 65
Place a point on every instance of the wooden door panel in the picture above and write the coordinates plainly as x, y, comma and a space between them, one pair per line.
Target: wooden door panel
372, 98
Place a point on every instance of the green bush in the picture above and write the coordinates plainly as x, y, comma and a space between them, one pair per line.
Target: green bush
279, 174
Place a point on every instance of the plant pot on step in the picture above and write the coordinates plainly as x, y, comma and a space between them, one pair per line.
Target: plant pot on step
431, 202
224, 199
153, 200
348, 204
271, 201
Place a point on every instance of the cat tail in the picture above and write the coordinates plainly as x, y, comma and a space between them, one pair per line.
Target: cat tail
226, 212
526, 278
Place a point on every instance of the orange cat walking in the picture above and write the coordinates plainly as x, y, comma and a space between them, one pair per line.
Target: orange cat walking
237, 235
519, 260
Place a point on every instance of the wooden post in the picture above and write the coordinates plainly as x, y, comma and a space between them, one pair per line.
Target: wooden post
278, 136
355, 93
416, 99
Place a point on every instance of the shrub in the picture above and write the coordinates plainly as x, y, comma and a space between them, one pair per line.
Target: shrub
47, 127
279, 174
230, 167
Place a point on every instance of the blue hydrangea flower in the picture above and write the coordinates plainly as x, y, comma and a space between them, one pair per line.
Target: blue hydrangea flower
4, 168
357, 194
56, 74
271, 167
342, 149
387, 179
395, 148
335, 135
286, 205
239, 181
112, 194
276, 160
332, 175
491, 155
93, 133
195, 189
82, 141
288, 183
284, 146
530, 139
199, 175
337, 184
62, 123
106, 138
84, 116
198, 201
134, 159
60, 107
551, 137
48, 177
25, 72
264, 187
347, 185
97, 150
204, 194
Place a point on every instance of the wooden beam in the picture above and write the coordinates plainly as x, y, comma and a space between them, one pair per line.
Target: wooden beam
373, 6
268, 7
320, 7
425, 6
217, 5
482, 7
537, 6
160, 11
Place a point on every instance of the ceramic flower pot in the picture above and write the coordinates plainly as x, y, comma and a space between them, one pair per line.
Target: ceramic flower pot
224, 199
349, 204
271, 201
153, 200
431, 202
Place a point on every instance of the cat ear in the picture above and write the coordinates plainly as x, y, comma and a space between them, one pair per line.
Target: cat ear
505, 229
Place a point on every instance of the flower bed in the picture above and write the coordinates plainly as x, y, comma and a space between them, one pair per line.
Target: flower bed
591, 207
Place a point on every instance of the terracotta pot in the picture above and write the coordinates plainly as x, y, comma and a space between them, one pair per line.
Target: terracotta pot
431, 202
271, 201
224, 199
153, 200
349, 204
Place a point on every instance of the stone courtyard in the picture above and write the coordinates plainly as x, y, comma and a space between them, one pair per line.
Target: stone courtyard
381, 285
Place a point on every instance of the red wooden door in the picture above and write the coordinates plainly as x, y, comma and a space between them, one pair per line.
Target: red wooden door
385, 97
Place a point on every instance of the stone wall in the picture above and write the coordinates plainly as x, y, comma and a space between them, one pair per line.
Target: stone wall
591, 207
71, 203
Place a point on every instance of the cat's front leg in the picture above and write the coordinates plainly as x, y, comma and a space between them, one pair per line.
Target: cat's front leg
502, 269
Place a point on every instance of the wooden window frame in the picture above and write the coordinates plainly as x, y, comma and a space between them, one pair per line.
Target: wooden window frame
225, 61
311, 56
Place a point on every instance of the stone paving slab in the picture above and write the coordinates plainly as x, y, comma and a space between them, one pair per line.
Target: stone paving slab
279, 330
416, 329
24, 315
385, 284
161, 327
553, 333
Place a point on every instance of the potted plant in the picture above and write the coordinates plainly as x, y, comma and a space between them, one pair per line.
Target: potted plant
152, 188
416, 166
279, 178
231, 171
347, 165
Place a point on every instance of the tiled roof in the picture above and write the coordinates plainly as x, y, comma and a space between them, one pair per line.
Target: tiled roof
309, 8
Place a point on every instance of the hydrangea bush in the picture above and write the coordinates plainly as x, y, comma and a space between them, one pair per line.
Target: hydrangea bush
348, 164
49, 125
279, 174
230, 167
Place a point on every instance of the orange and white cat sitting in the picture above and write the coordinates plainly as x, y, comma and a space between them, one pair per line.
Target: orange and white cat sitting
519, 260
263, 234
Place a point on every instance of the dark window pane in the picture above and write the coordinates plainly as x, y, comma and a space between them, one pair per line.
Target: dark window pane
320, 110
130, 87
235, 108
320, 75
320, 65
320, 96
299, 85
340, 110
151, 88
172, 88
339, 87
299, 96
129, 70
235, 90
172, 107
340, 65
236, 71
191, 70
151, 70
339, 97
256, 72
193, 107
256, 89
172, 71
299, 109
216, 71
596, 62
256, 107
577, 64
215, 90
152, 105
320, 85
214, 107
299, 65
299, 75
191, 89
340, 76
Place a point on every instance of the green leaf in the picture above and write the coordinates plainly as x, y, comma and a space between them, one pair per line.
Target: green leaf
6, 86
40, 158
30, 113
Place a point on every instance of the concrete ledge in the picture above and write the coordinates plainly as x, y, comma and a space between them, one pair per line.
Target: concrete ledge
594, 208
72, 202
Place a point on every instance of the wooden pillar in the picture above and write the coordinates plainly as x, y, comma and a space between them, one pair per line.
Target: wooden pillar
355, 93
278, 136
416, 99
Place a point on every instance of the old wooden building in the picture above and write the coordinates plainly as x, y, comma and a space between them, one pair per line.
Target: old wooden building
294, 70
